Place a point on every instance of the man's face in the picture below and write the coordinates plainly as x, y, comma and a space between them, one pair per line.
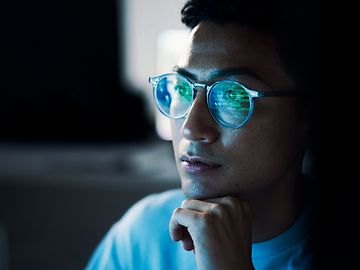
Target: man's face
216, 161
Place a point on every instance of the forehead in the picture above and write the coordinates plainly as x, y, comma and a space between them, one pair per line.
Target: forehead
229, 41
228, 36
212, 46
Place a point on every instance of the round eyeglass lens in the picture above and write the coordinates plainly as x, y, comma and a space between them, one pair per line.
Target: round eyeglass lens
173, 95
229, 103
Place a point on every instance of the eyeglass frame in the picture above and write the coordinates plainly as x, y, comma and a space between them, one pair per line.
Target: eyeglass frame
253, 94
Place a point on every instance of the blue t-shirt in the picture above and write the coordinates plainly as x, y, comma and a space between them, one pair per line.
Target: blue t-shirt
141, 240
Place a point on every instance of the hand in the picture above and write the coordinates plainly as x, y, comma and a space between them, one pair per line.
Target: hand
217, 230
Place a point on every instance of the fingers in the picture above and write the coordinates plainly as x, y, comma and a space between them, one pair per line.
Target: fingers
188, 243
230, 200
196, 218
181, 220
218, 205
197, 205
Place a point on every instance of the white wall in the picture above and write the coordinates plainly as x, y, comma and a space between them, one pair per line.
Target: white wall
145, 21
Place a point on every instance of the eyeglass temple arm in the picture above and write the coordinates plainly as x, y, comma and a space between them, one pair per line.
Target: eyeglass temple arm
256, 93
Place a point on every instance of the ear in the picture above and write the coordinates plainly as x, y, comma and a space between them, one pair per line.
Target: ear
306, 122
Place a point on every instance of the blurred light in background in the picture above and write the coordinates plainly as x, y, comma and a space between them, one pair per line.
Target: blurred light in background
154, 35
169, 46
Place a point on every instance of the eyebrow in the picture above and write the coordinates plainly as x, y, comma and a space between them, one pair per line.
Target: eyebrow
220, 72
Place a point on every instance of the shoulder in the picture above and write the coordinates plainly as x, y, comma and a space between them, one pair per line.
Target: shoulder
147, 219
155, 206
143, 229
165, 200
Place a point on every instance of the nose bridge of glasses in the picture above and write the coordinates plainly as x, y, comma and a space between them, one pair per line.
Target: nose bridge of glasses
200, 86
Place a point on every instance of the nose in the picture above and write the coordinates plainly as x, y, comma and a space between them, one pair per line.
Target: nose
199, 126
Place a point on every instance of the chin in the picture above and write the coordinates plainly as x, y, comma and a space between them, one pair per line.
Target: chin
200, 189
199, 192
197, 189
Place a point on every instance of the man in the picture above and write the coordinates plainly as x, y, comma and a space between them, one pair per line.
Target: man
240, 127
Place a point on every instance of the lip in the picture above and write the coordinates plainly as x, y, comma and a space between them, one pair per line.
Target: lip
196, 164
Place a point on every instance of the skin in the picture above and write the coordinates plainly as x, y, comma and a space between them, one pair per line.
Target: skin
255, 193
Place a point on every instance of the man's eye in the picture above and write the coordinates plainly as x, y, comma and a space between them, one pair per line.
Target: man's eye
183, 91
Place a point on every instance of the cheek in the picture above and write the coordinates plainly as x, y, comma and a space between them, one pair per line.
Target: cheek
244, 149
265, 147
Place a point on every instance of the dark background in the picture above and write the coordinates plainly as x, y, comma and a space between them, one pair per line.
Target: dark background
61, 73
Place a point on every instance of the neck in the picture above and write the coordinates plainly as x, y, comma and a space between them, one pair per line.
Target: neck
278, 207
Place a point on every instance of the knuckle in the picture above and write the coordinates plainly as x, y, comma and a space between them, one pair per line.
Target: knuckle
232, 201
177, 211
184, 203
208, 218
218, 208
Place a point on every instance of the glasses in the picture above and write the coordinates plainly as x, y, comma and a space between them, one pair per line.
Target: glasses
230, 103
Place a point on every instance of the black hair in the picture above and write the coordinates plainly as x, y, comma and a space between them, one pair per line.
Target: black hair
296, 24
230, 11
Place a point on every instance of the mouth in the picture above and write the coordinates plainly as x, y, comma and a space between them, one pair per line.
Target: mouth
197, 165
